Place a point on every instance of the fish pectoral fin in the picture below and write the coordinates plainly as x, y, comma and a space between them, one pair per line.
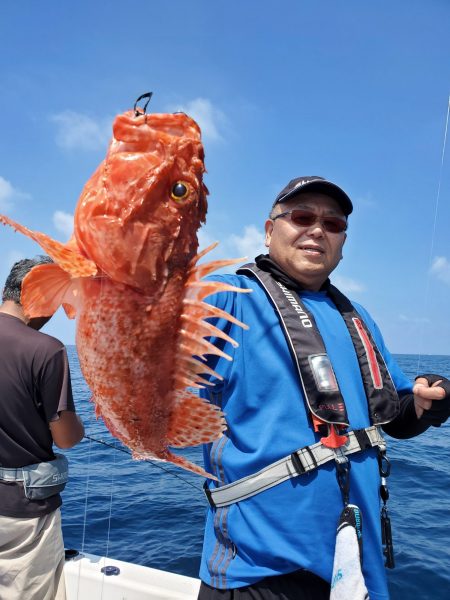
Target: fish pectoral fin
194, 421
45, 288
67, 256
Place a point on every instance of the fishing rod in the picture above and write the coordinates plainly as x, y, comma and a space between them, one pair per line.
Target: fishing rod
147, 460
433, 235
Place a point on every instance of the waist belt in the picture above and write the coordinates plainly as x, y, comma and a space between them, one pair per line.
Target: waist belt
40, 480
11, 474
301, 461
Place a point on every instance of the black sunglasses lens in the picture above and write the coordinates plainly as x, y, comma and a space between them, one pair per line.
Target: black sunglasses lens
303, 218
334, 225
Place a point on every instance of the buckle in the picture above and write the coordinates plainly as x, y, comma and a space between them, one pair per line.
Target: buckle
334, 440
362, 438
208, 495
339, 456
343, 476
298, 466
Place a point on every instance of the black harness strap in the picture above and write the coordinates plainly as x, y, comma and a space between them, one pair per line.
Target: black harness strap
380, 391
323, 396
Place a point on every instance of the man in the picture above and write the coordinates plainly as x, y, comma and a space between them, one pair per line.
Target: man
36, 410
312, 368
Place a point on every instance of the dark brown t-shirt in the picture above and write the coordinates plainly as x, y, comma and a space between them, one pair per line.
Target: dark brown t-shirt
34, 388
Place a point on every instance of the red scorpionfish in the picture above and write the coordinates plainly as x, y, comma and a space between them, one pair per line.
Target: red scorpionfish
129, 275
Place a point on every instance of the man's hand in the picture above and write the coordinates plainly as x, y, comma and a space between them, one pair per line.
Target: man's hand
432, 398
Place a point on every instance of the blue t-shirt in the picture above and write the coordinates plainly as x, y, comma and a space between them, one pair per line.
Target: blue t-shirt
292, 525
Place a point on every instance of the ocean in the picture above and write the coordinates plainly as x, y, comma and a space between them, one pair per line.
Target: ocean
152, 513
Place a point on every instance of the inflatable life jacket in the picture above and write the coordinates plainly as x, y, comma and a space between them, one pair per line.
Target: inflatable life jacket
321, 391
326, 404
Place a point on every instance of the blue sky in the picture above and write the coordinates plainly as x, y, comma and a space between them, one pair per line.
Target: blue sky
353, 91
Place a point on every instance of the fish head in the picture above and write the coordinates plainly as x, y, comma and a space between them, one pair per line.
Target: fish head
138, 215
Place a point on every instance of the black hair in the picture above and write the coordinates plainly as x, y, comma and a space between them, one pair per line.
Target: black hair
13, 283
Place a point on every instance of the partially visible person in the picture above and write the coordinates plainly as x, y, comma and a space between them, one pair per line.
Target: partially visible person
310, 388
36, 411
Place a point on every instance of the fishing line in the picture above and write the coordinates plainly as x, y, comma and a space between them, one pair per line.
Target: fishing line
433, 236
109, 518
85, 514
110, 505
86, 497
147, 460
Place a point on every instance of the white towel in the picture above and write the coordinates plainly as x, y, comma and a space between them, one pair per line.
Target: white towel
347, 582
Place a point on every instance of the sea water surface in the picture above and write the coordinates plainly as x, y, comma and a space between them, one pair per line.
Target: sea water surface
153, 513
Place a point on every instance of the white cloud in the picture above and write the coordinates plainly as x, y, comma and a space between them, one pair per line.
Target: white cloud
209, 118
248, 245
8, 193
78, 131
13, 256
414, 320
63, 222
6, 262
205, 239
441, 268
365, 201
347, 285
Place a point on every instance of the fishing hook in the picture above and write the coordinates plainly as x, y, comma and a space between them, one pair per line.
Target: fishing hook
142, 111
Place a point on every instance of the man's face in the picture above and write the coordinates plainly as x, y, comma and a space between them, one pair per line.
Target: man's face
307, 254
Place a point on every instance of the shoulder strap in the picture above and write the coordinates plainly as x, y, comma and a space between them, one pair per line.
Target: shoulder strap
306, 346
320, 387
381, 394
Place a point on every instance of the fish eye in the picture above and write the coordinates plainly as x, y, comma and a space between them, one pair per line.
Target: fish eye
180, 191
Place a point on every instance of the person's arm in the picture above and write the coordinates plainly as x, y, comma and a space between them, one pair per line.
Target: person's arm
68, 430
406, 424
428, 405
422, 405
56, 394
432, 399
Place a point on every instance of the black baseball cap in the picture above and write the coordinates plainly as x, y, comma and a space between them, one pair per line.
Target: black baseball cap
313, 183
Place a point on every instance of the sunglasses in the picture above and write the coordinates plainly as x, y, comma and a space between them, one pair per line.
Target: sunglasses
307, 218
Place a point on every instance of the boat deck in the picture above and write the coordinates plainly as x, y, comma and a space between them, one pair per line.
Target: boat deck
86, 581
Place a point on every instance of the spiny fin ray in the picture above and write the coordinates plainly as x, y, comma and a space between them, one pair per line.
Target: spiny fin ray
194, 420
67, 256
177, 460
202, 270
196, 366
199, 346
202, 289
202, 310
203, 329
